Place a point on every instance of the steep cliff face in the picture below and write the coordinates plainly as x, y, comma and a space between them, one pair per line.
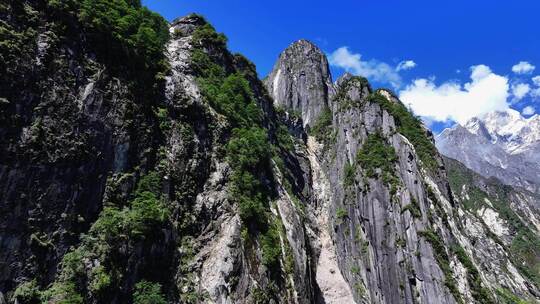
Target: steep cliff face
195, 182
119, 188
398, 234
250, 244
70, 121
301, 84
501, 223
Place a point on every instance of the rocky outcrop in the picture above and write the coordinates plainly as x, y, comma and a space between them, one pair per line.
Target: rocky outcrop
301, 82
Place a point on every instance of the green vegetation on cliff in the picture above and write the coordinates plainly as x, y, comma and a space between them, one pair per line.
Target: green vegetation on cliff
377, 154
248, 152
206, 35
442, 258
525, 246
51, 50
411, 127
145, 216
17, 38
479, 293
124, 33
248, 149
148, 293
322, 129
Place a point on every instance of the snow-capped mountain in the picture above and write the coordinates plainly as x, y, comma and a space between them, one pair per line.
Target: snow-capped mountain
502, 144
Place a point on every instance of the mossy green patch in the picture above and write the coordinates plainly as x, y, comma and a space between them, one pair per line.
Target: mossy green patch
321, 129
411, 127
414, 208
148, 293
342, 97
376, 154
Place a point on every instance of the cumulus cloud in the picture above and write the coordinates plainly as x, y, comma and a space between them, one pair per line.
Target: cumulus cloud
519, 91
485, 92
523, 67
535, 93
405, 65
528, 110
371, 69
536, 80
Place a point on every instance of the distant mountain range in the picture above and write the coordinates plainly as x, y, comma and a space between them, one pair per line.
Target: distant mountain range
501, 144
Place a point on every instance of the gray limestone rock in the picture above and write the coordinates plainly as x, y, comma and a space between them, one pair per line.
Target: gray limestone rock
300, 81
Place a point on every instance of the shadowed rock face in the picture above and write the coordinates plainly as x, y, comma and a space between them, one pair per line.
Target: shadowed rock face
68, 126
301, 81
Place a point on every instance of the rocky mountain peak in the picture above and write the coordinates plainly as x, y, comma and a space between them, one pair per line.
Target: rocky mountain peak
511, 131
343, 78
300, 80
350, 87
502, 144
187, 24
476, 126
303, 44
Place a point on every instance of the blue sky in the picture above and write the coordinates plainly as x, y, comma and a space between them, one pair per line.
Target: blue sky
448, 41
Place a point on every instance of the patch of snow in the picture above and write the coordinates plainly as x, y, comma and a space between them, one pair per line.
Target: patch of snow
513, 132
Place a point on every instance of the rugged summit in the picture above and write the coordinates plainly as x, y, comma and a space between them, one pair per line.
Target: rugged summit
301, 82
500, 144
199, 183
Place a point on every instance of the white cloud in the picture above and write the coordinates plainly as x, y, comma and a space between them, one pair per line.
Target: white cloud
372, 69
528, 110
535, 93
536, 80
405, 65
523, 67
479, 72
486, 92
519, 91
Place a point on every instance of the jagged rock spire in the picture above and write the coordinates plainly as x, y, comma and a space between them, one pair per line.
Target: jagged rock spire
301, 80
187, 24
